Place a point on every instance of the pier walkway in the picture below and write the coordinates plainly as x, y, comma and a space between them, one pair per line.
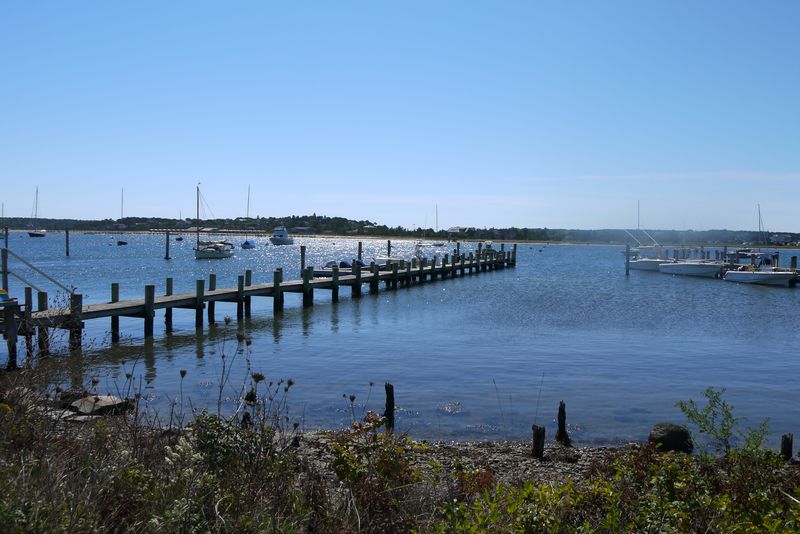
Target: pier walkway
21, 319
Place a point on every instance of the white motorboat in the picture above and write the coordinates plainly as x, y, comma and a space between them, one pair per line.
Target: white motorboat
280, 236
763, 272
707, 269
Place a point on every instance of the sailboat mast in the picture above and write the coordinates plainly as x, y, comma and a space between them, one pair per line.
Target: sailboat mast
198, 215
122, 203
248, 201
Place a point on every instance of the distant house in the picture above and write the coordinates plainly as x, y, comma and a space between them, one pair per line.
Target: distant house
780, 239
303, 230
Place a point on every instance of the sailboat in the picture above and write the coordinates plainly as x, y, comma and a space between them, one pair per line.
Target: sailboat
120, 242
437, 244
210, 250
33, 232
248, 243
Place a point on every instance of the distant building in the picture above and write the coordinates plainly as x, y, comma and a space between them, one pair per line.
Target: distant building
780, 239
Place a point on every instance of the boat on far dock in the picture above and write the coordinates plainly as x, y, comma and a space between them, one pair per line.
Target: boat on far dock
762, 272
280, 236
706, 269
210, 250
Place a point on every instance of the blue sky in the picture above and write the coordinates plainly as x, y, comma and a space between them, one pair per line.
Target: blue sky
537, 114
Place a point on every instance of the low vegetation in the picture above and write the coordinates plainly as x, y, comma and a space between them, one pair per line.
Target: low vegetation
255, 473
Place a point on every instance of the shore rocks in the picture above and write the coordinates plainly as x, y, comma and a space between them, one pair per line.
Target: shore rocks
671, 437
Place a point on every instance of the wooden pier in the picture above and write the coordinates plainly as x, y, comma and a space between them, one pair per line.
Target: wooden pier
20, 319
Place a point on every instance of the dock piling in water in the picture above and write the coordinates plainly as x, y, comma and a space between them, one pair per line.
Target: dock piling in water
42, 335
149, 309
212, 285
168, 311
115, 318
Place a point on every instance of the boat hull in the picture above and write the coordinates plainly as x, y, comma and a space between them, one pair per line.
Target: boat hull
37, 234
645, 264
212, 254
782, 279
704, 270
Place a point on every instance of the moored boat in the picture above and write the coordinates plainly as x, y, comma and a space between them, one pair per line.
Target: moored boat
763, 273
707, 269
210, 250
280, 236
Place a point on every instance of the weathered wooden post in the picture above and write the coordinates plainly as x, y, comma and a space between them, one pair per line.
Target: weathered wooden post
76, 321
308, 290
356, 287
166, 253
514, 255
627, 260
66, 236
787, 447
335, 284
458, 248
198, 303
149, 309
395, 269
389, 411
212, 285
302, 259
27, 329
115, 318
388, 248
538, 441
5, 237
248, 281
4, 254
277, 295
462, 265
168, 309
359, 250
375, 280
561, 435
42, 335
10, 318
240, 298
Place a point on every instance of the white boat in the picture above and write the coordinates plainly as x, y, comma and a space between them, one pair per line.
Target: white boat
210, 250
280, 236
248, 244
707, 269
34, 232
763, 273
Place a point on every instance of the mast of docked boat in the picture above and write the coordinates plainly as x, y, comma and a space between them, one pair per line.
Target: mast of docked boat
197, 219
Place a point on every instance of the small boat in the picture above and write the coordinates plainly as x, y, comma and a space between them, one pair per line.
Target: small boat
707, 269
179, 238
248, 244
210, 250
5, 299
763, 273
34, 232
280, 236
344, 267
121, 243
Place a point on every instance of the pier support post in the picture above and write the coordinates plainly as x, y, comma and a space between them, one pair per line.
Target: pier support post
42, 335
335, 284
76, 321
277, 295
787, 447
409, 276
395, 269
308, 291
5, 237
374, 282
356, 287
240, 298
561, 435
627, 260
212, 308
10, 318
359, 250
389, 248
115, 318
149, 309
248, 281
4, 254
166, 252
388, 413
302, 259
66, 240
461, 272
168, 310
198, 304
27, 328
514, 255
538, 441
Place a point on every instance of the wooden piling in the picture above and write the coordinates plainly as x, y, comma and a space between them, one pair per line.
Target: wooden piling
374, 281
115, 318
360, 249
166, 252
538, 441
198, 305
10, 312
27, 329
149, 309
211, 306
514, 255
168, 311
4, 254
389, 411
561, 434
76, 321
302, 259
66, 239
240, 298
356, 287
627, 260
42, 335
308, 291
335, 284
277, 295
388, 248
409, 277
248, 281
787, 447
395, 269
5, 237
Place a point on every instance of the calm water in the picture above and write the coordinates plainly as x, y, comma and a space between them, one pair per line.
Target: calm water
478, 357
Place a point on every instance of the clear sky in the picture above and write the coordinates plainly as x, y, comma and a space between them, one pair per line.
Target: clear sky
503, 113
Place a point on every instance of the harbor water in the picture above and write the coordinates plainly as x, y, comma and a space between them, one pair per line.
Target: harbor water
478, 357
